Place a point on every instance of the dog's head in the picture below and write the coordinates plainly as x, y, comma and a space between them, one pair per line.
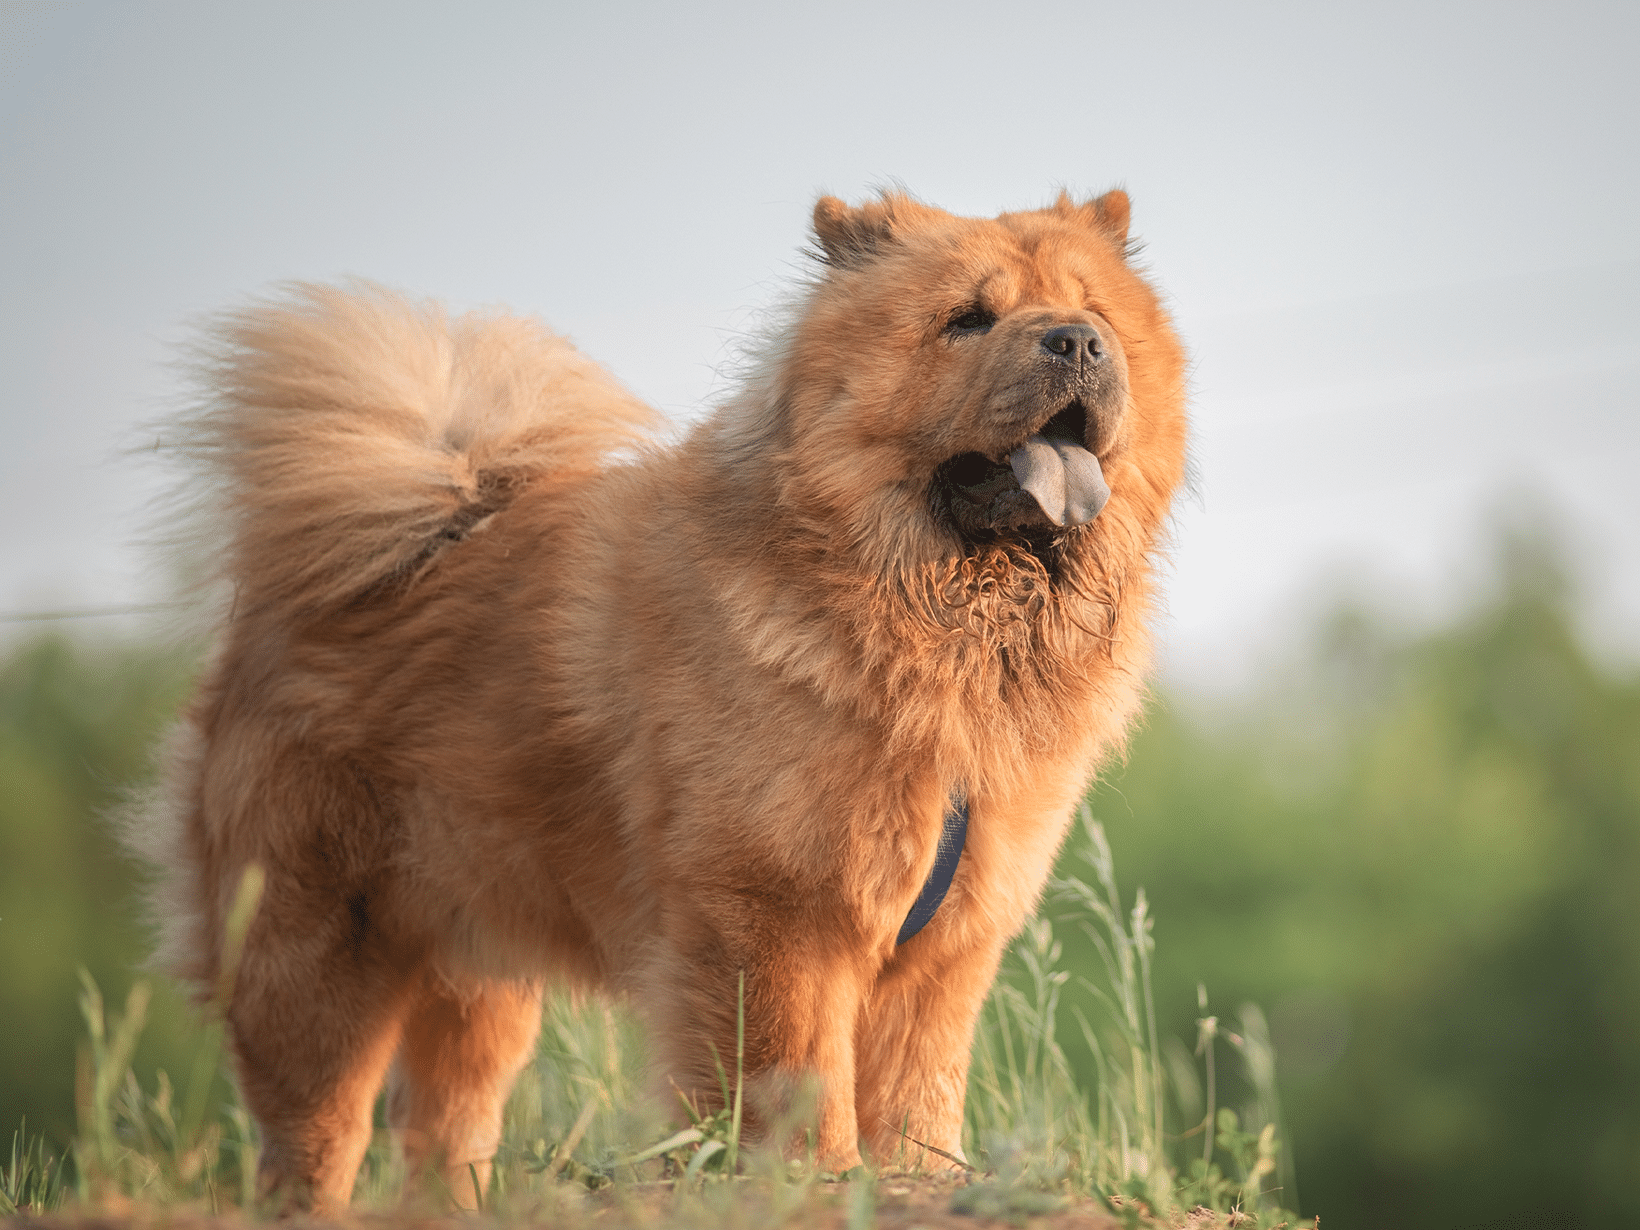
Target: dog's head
955, 382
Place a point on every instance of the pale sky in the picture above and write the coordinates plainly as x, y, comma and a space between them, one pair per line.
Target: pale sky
1400, 240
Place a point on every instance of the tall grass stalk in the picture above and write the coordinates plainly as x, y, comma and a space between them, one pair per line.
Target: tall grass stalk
1035, 1118
133, 1143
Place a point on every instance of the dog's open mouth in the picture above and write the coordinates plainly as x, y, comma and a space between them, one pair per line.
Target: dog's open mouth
1048, 484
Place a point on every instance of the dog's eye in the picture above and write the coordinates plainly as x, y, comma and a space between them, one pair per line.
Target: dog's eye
971, 319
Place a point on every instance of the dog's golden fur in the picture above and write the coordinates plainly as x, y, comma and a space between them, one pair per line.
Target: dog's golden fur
510, 692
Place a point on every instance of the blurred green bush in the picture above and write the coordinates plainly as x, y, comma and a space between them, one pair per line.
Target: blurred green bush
1420, 854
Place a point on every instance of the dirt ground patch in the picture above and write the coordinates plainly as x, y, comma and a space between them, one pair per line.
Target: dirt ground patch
909, 1203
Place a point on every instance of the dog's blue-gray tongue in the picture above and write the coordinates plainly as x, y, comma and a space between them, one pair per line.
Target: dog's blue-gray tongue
1063, 477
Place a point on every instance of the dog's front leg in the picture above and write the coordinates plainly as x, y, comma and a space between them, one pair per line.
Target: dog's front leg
916, 1031
803, 986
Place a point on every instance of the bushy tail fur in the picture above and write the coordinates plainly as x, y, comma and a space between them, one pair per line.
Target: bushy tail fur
348, 436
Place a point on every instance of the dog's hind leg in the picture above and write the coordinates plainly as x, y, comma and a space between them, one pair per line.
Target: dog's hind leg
326, 977
316, 1017
462, 1049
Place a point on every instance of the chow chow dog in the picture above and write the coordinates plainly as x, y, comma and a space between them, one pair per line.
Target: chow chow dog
511, 689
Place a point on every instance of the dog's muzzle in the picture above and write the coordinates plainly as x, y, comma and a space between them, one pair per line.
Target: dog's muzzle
1053, 480
1049, 483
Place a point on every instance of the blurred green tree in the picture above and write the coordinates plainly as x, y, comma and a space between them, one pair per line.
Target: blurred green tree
78, 723
1422, 856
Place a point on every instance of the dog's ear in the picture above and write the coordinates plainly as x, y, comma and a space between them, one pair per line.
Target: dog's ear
1108, 213
1111, 213
849, 236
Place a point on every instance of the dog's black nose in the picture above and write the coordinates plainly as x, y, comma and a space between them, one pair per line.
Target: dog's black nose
1073, 343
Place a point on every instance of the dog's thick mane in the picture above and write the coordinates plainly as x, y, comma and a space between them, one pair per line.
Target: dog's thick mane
974, 656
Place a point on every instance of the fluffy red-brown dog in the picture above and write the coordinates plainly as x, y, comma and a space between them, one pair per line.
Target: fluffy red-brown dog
510, 692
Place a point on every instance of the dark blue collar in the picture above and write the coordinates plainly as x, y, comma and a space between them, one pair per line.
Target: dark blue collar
952, 839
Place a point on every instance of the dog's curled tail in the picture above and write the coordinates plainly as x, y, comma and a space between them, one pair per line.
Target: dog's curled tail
346, 437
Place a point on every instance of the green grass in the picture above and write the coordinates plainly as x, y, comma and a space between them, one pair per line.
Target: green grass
33, 1179
1132, 1126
